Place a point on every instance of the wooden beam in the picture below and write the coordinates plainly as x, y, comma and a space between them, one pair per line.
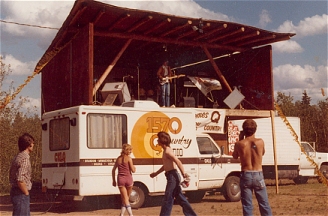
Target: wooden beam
110, 67
270, 37
191, 31
248, 113
77, 16
242, 29
140, 23
206, 34
121, 19
217, 70
177, 28
99, 15
166, 40
253, 34
164, 22
268, 41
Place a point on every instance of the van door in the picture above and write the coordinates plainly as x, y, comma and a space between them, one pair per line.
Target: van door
211, 169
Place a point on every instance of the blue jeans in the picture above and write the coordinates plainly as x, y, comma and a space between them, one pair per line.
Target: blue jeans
165, 93
21, 202
173, 190
254, 181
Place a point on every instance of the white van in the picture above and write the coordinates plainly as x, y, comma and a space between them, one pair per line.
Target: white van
81, 144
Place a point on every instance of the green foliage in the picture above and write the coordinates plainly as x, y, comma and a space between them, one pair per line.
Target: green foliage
14, 123
314, 118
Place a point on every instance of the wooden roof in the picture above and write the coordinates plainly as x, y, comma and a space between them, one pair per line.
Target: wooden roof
152, 31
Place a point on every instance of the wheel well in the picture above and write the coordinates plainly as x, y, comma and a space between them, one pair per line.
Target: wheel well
142, 186
235, 173
324, 163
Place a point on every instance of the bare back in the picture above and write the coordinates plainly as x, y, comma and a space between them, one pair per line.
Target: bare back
250, 150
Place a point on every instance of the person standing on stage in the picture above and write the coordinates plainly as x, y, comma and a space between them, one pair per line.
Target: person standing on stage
164, 73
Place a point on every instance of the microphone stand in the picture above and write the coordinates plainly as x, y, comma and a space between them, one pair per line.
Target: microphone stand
138, 83
175, 89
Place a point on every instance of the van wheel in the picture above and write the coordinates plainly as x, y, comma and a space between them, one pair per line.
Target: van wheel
195, 196
231, 189
301, 179
324, 171
138, 196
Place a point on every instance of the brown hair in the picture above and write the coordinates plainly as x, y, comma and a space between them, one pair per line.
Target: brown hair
25, 141
164, 138
249, 127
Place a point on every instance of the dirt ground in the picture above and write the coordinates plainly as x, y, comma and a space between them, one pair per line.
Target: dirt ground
291, 199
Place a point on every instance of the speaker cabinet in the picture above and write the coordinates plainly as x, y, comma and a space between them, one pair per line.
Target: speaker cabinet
189, 102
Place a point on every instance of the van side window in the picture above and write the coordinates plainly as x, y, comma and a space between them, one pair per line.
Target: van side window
106, 130
206, 146
59, 130
307, 147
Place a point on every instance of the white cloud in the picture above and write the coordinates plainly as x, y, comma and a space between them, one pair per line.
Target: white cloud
314, 25
187, 8
46, 14
32, 103
289, 46
53, 14
264, 18
295, 79
17, 67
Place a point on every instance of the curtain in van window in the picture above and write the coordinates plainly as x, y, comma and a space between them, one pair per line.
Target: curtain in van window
105, 131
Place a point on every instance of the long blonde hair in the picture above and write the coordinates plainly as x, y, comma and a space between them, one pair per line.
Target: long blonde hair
125, 148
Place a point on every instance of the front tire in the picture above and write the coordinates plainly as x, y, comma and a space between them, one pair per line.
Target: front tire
301, 179
324, 171
138, 196
231, 189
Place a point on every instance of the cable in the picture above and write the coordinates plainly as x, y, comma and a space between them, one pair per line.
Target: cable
23, 24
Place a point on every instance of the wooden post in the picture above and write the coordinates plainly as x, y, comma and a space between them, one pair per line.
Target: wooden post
274, 149
110, 67
217, 70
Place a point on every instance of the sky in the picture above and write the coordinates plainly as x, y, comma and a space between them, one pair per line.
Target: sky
299, 64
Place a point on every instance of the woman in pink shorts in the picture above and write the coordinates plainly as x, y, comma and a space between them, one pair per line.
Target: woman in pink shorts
125, 167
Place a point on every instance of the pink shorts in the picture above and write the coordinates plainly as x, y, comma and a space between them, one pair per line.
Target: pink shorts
124, 181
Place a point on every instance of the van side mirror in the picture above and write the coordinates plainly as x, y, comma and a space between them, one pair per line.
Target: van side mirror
44, 126
73, 121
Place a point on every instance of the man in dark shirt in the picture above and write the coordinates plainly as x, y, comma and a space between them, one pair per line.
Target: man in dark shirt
20, 176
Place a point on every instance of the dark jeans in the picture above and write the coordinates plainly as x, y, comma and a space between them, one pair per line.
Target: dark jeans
254, 181
21, 202
173, 190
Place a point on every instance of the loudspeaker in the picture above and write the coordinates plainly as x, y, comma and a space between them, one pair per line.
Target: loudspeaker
189, 102
119, 88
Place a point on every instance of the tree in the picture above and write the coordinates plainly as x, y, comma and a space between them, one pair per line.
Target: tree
13, 123
306, 100
286, 104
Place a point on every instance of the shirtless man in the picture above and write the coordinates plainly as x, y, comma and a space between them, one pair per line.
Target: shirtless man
250, 150
173, 189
